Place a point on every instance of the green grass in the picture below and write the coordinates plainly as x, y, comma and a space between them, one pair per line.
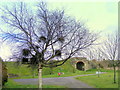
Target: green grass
12, 84
67, 74
24, 72
21, 70
104, 81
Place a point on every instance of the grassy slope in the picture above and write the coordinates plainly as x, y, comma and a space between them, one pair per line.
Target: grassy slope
18, 70
104, 81
23, 70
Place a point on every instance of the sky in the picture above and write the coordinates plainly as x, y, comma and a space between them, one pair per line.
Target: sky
98, 15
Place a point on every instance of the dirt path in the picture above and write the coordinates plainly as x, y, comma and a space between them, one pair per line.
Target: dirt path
69, 82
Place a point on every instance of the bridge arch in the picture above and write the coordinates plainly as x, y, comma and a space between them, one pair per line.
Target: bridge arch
80, 65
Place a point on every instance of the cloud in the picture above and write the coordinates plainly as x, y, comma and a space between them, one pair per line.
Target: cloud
5, 51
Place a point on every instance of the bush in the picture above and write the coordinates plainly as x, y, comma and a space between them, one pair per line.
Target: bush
4, 72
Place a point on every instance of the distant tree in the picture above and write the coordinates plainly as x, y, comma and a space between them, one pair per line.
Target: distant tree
99, 59
90, 53
72, 62
95, 55
110, 50
3, 73
51, 67
45, 35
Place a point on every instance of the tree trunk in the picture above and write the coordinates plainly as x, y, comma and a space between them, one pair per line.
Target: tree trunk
98, 73
98, 70
33, 73
114, 74
73, 69
51, 70
1, 75
40, 76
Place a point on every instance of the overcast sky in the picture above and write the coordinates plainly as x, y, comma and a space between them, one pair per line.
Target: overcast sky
97, 15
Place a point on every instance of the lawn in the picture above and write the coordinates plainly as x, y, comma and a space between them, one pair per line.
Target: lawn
67, 74
104, 81
24, 72
12, 84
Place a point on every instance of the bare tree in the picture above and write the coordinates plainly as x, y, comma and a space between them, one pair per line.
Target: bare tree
89, 53
99, 58
110, 51
94, 53
45, 35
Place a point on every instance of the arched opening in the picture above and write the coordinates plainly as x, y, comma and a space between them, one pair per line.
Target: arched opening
80, 66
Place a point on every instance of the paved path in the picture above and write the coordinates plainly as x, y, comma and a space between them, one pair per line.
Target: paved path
69, 82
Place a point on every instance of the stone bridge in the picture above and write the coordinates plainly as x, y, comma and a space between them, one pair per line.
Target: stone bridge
81, 63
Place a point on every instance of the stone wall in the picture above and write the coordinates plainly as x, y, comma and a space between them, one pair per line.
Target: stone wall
91, 64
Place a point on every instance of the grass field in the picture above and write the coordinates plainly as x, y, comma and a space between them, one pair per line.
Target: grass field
104, 81
12, 84
56, 75
24, 72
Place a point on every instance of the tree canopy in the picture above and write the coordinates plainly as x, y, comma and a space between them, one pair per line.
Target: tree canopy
45, 35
